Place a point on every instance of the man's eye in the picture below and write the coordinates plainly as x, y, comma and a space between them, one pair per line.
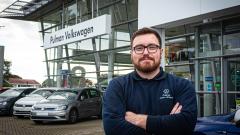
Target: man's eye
151, 47
138, 48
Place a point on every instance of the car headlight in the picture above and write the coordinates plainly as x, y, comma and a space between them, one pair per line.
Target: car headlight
33, 108
63, 107
3, 103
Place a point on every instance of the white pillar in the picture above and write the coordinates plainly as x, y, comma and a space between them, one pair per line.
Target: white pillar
162, 35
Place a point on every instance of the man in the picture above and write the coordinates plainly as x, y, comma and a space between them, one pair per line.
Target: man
148, 100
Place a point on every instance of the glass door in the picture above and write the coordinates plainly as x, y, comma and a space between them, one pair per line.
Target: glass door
232, 79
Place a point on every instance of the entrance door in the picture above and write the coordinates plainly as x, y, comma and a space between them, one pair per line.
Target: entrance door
232, 66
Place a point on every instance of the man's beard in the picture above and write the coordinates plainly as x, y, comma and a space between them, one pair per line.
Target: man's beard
146, 68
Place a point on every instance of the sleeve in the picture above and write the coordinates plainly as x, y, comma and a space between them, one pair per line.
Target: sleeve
114, 108
181, 123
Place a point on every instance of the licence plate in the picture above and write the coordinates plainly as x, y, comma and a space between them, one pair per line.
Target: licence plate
42, 113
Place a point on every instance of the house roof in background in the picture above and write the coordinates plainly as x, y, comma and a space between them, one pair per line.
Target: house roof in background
23, 81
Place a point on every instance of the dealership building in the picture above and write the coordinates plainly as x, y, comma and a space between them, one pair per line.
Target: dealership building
89, 41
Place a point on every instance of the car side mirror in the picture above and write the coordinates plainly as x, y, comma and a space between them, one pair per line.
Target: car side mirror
82, 98
23, 95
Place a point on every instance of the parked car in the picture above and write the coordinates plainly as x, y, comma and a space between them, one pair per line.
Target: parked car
23, 106
68, 105
9, 97
218, 125
3, 89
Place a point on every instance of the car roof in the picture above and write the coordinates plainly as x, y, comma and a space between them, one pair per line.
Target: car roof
77, 89
51, 88
21, 88
80, 89
67, 89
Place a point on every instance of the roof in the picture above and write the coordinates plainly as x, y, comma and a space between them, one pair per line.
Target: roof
23, 81
30, 10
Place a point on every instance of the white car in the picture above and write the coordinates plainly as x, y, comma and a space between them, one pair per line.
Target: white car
23, 106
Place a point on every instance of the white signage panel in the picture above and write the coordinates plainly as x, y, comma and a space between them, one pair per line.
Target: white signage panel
91, 28
157, 12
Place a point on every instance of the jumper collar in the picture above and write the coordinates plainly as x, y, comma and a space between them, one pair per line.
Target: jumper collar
161, 75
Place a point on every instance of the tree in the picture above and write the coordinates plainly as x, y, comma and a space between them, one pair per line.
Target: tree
6, 68
6, 71
80, 82
103, 79
49, 83
7, 74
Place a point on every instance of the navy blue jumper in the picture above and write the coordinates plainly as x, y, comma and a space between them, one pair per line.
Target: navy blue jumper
154, 97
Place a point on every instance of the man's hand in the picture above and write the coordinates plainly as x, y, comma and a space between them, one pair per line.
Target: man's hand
176, 109
139, 120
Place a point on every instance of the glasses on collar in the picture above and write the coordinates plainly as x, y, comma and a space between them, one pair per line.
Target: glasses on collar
151, 48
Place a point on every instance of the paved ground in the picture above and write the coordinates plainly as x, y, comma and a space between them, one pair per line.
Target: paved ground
14, 126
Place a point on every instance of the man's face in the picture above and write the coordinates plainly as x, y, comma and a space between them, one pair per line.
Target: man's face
146, 62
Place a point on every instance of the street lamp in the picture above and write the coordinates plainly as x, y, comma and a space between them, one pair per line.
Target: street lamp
1, 62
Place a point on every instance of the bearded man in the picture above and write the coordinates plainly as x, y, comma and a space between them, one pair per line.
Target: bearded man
149, 101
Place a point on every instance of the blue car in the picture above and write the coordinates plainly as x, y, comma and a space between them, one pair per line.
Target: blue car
9, 97
217, 125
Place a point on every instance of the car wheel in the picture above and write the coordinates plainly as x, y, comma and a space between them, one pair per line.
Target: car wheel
73, 115
100, 114
37, 122
10, 113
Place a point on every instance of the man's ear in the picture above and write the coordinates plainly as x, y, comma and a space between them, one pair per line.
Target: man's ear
161, 52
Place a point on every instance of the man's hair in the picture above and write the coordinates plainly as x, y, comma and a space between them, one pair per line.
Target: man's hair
144, 31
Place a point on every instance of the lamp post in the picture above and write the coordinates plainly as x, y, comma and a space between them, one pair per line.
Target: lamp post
1, 65
1, 62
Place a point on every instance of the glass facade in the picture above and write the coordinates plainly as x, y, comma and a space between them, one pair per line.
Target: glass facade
208, 55
179, 49
218, 57
96, 60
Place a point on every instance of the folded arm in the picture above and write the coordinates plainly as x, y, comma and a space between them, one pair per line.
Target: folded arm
140, 120
114, 109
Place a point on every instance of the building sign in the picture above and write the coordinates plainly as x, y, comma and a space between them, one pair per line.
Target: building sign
95, 27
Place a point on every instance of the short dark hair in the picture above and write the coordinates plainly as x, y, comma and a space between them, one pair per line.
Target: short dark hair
144, 31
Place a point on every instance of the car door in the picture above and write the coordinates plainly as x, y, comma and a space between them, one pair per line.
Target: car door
94, 101
83, 104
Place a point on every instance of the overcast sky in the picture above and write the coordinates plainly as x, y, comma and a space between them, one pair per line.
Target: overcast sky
22, 43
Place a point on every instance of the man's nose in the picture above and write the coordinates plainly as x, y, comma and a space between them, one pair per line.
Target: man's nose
145, 51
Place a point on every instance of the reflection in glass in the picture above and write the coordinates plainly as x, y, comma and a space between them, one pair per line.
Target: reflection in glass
210, 81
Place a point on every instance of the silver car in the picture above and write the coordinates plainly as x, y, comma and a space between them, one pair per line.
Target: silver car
68, 105
23, 106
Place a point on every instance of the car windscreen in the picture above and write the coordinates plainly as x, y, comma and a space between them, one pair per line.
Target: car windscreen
11, 93
43, 93
66, 95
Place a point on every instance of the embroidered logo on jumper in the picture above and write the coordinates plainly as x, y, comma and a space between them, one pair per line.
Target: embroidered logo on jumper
166, 94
